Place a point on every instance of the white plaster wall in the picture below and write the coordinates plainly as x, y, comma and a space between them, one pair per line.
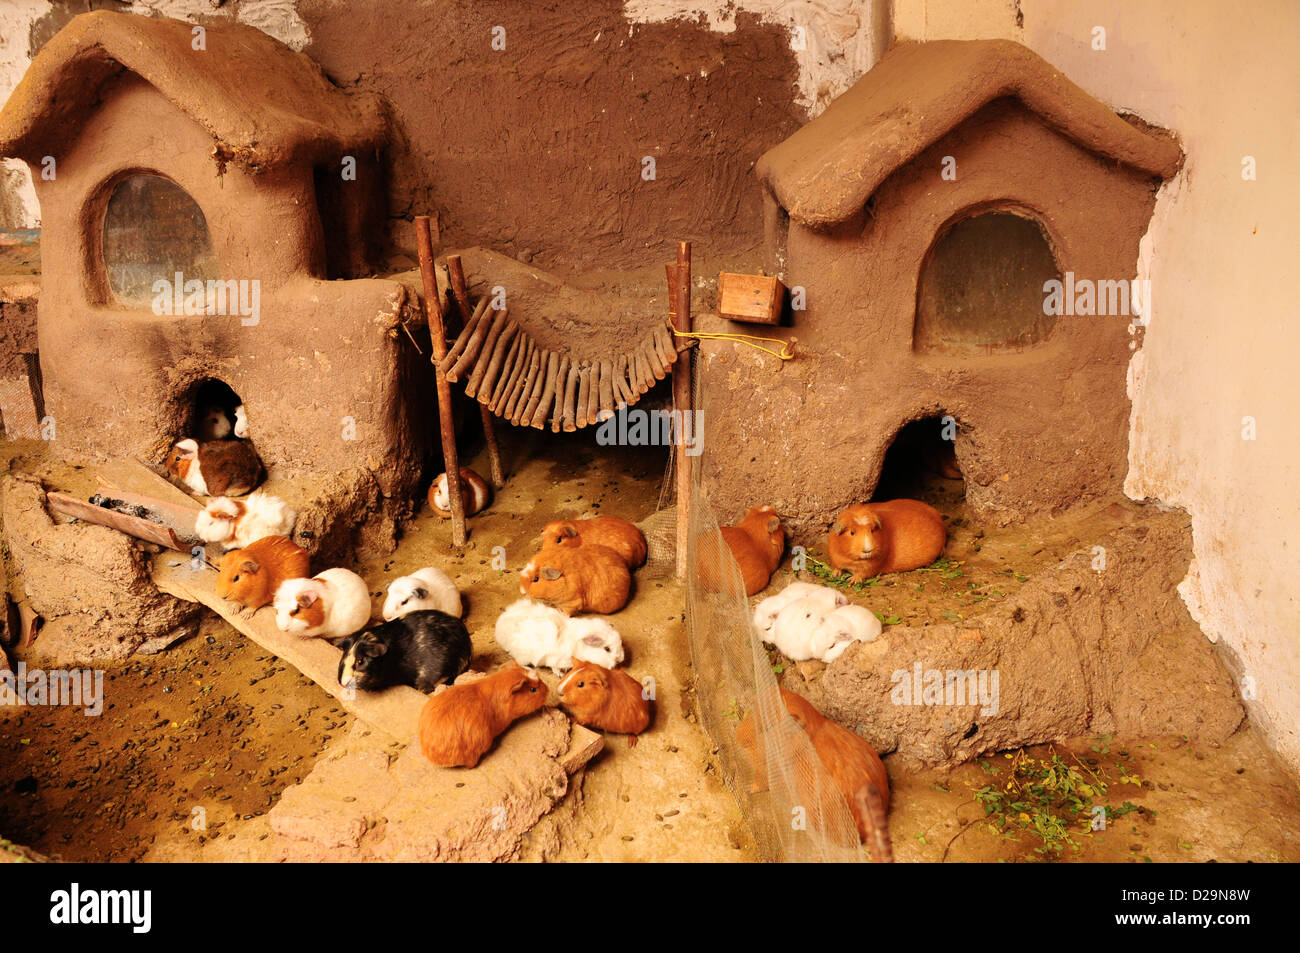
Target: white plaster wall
834, 41
1224, 340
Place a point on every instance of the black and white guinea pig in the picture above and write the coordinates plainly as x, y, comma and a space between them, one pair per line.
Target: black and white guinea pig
423, 649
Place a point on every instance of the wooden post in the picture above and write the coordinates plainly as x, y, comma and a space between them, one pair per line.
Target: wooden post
438, 333
459, 291
681, 371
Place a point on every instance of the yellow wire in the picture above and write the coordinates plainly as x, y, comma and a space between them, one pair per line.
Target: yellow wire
787, 347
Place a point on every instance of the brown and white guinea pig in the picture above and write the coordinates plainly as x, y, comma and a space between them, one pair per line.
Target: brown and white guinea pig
605, 698
330, 605
251, 576
459, 724
474, 493
757, 542
578, 578
868, 539
217, 467
856, 769
618, 534
235, 523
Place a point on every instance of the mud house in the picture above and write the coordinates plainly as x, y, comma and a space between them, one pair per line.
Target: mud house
210, 202
924, 221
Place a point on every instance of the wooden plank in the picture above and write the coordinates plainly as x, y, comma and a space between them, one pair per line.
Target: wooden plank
395, 710
122, 522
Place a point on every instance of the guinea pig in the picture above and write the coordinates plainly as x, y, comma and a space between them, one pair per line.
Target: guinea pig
427, 588
840, 628
757, 542
234, 523
607, 699
765, 612
330, 605
214, 423
474, 493
792, 632
216, 467
868, 539
618, 534
540, 636
856, 770
251, 576
593, 640
423, 648
459, 724
241, 423
583, 577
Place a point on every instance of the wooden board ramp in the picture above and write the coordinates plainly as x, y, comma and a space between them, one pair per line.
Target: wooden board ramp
395, 711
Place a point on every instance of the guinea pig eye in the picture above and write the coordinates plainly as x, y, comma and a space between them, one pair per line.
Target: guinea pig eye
581, 684
236, 579
533, 689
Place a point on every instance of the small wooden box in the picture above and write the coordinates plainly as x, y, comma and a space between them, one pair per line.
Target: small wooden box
757, 299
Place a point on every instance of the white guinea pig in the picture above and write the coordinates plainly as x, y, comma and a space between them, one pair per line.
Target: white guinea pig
241, 422
539, 636
793, 629
765, 612
427, 588
841, 628
589, 639
236, 523
332, 605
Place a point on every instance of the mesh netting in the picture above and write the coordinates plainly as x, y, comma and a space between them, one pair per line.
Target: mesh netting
794, 810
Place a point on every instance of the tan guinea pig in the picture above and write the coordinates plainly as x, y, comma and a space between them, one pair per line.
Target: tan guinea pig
757, 542
868, 539
216, 468
459, 724
474, 493
250, 576
578, 578
608, 699
618, 534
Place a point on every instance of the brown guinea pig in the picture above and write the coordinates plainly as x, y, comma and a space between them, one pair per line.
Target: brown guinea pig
250, 576
605, 698
856, 769
459, 724
579, 577
757, 542
618, 534
868, 539
216, 468
474, 493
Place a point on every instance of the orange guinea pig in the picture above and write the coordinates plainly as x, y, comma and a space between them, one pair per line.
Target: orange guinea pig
868, 539
618, 534
608, 699
474, 493
459, 724
856, 769
578, 577
757, 542
250, 576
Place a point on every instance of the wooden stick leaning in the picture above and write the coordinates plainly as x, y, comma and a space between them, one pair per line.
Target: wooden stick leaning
438, 334
593, 393
467, 357
682, 403
606, 391
496, 326
460, 293
561, 378
449, 357
570, 399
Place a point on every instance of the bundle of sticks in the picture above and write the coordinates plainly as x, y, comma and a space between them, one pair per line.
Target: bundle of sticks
529, 385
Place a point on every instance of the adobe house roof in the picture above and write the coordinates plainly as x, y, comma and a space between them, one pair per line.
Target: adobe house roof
826, 171
264, 105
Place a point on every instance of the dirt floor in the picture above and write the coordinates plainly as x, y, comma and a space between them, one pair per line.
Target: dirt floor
216, 729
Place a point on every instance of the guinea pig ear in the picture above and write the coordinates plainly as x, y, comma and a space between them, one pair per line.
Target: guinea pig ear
568, 532
592, 639
521, 683
372, 648
307, 598
249, 565
838, 527
187, 449
419, 592
550, 572
773, 524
